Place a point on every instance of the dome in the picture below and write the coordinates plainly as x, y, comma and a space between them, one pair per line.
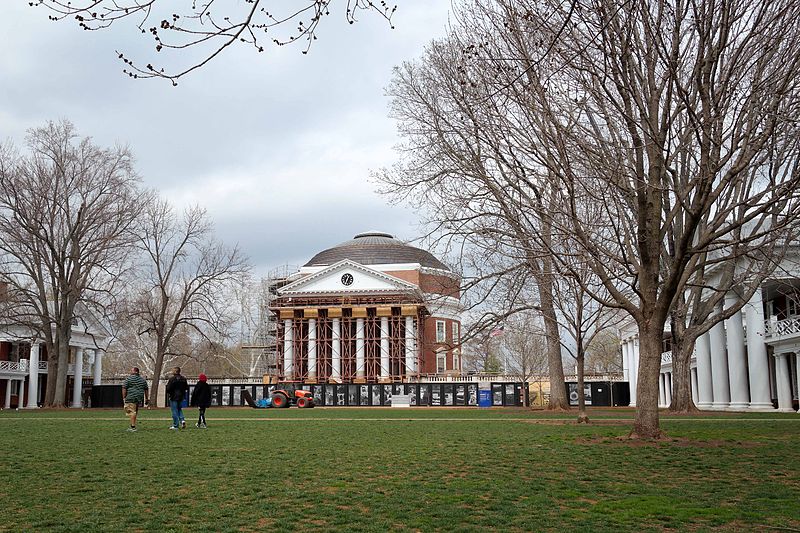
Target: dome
375, 248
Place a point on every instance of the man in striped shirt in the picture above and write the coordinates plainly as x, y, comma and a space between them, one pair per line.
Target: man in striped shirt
134, 394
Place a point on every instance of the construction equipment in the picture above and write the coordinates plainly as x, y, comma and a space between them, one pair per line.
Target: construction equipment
292, 393
288, 394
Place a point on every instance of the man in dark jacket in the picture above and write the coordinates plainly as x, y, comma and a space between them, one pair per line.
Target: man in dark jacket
176, 389
201, 398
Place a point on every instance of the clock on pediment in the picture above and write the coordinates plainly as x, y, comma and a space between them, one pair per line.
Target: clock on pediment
347, 279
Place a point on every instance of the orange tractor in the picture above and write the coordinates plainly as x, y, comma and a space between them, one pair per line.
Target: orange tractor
292, 394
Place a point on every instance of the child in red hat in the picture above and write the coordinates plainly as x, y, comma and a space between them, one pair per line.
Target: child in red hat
201, 397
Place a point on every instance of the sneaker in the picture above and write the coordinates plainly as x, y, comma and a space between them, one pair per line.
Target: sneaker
183, 424
197, 424
203, 426
173, 427
132, 428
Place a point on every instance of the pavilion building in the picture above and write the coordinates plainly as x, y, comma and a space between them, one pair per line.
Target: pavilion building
369, 310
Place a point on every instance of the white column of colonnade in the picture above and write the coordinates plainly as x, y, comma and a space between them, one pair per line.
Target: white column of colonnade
719, 365
7, 403
97, 367
634, 357
385, 348
288, 350
662, 396
33, 377
360, 365
705, 384
667, 389
336, 350
77, 381
783, 382
312, 349
21, 394
695, 397
737, 357
757, 362
411, 349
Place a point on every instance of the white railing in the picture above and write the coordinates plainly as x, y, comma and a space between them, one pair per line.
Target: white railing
783, 328
14, 366
85, 371
42, 366
666, 358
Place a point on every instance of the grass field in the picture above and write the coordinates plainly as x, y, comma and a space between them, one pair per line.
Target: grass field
397, 470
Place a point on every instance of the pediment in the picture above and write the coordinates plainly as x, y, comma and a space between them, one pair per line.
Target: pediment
347, 277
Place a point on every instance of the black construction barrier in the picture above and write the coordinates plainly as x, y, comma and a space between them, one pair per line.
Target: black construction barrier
447, 394
600, 393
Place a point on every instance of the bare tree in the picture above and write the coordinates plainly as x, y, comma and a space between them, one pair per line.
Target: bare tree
524, 344
198, 31
668, 132
67, 209
460, 165
183, 289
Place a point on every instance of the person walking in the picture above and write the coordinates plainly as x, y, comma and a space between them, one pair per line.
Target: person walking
134, 394
201, 398
176, 392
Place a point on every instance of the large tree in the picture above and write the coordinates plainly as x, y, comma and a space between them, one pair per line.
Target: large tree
649, 137
67, 210
184, 287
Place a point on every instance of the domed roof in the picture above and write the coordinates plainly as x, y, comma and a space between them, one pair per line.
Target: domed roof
375, 248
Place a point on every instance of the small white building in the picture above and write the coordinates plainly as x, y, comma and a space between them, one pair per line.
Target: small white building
24, 359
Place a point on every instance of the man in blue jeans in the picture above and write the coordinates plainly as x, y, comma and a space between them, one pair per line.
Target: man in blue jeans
176, 390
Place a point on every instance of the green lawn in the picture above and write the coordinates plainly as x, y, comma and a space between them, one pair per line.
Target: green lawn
396, 470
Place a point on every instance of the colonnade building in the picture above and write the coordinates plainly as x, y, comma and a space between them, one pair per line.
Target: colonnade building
369, 310
747, 362
24, 360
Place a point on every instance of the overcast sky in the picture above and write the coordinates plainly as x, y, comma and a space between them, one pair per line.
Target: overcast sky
277, 146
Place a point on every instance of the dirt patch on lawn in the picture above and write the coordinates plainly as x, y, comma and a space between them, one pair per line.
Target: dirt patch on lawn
680, 442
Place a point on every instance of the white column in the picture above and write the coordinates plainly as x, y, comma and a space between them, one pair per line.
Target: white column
288, 349
667, 389
411, 349
757, 362
97, 368
33, 377
21, 394
360, 370
705, 387
312, 349
336, 350
695, 398
626, 365
7, 405
634, 369
737, 358
662, 397
719, 367
385, 348
77, 382
783, 383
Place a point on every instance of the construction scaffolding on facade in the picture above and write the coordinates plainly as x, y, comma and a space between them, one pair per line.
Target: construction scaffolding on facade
348, 340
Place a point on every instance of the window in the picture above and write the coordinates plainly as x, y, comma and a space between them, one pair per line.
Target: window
440, 331
456, 360
441, 361
456, 336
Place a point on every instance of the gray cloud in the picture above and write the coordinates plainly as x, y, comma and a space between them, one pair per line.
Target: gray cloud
278, 146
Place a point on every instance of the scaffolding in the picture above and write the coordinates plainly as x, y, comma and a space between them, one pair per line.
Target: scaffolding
344, 340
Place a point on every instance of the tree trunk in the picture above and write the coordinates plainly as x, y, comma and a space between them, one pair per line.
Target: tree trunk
646, 423
52, 371
157, 370
60, 391
558, 392
682, 377
582, 416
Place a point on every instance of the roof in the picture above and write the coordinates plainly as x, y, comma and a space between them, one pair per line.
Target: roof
376, 248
